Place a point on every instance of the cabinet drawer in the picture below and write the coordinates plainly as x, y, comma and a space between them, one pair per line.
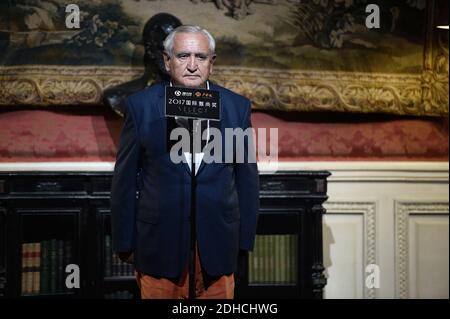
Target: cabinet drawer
294, 185
46, 185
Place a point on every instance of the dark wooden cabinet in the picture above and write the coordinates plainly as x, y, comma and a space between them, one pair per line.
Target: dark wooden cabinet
49, 220
287, 261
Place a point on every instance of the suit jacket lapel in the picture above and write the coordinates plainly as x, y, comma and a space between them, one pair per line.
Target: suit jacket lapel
162, 112
220, 125
213, 124
216, 124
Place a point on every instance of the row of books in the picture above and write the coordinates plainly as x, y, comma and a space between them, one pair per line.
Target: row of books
274, 259
43, 266
113, 265
121, 294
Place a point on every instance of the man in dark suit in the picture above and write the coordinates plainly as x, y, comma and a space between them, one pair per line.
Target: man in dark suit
153, 228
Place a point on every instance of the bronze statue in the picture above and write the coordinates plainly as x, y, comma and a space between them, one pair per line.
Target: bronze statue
155, 31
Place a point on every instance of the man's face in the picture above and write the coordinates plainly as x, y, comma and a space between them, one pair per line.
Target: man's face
191, 62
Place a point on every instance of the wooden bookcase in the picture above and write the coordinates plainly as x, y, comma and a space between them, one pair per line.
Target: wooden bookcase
51, 219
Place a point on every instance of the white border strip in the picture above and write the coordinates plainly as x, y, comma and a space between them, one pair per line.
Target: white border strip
341, 171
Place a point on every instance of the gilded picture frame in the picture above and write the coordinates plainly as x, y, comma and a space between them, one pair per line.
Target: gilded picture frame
287, 55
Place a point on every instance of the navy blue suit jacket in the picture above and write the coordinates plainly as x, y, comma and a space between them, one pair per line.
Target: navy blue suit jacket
155, 224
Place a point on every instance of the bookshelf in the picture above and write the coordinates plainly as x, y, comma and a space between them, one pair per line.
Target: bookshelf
287, 261
49, 220
44, 255
46, 238
118, 280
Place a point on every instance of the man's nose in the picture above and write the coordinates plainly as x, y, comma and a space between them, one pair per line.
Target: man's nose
192, 64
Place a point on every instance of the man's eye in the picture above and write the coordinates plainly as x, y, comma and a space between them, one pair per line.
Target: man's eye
182, 56
201, 57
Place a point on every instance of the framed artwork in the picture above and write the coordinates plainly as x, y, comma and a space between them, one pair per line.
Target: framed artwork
290, 55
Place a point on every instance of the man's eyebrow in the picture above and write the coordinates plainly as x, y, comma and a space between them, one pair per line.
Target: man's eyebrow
189, 53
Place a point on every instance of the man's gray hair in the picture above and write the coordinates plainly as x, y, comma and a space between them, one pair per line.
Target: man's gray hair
168, 42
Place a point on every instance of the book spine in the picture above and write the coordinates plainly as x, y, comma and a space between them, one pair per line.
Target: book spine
24, 270
53, 265
108, 253
290, 259
45, 274
255, 261
277, 258
130, 270
60, 265
115, 265
283, 258
266, 259
67, 259
295, 259
30, 263
36, 267
269, 257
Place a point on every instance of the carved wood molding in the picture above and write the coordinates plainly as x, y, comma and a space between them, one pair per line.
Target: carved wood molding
422, 93
59, 85
403, 210
327, 91
369, 212
268, 89
435, 76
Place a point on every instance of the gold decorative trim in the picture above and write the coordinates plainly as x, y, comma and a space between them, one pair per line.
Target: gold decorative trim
267, 88
330, 91
435, 80
59, 85
422, 93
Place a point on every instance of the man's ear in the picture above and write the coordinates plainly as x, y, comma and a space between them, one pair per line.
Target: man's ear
166, 61
213, 58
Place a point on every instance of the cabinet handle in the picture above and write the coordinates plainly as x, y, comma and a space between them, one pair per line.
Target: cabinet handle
273, 185
48, 186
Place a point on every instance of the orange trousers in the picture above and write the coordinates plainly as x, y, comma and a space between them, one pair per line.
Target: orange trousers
206, 287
